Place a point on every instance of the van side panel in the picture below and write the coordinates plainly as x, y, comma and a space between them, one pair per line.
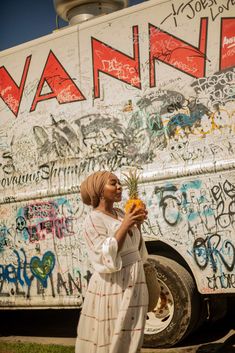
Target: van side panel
150, 86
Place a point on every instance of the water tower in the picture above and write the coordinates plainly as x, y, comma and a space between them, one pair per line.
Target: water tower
77, 11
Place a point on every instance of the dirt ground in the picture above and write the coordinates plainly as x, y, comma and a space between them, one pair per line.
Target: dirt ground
223, 345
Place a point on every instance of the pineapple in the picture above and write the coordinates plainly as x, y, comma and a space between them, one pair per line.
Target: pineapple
131, 180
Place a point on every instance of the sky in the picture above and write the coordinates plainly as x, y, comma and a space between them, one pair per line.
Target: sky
24, 20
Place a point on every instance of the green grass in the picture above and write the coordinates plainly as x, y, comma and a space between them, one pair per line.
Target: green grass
34, 348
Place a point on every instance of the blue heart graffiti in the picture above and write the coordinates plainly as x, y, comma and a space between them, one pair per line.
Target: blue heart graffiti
41, 269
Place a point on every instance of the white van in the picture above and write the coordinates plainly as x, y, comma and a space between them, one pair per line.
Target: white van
151, 86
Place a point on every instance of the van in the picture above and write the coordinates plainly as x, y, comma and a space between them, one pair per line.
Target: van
149, 87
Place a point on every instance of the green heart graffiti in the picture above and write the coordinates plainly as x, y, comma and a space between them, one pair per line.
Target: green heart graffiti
41, 269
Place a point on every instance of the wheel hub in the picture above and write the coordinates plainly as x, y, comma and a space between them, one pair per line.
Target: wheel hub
161, 316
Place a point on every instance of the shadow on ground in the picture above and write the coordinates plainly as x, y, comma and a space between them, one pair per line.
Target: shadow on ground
211, 332
63, 323
226, 347
41, 323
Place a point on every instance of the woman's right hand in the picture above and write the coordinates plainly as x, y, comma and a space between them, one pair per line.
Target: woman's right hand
133, 216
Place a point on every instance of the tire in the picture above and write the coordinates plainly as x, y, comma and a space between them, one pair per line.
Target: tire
178, 308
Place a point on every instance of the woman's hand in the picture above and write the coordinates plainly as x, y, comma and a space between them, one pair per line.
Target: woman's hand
134, 216
143, 218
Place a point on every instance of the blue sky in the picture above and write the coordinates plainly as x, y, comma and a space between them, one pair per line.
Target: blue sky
24, 20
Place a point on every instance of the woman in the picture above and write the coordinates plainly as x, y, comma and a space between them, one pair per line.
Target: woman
114, 310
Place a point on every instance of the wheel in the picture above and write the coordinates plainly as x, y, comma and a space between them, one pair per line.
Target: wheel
178, 308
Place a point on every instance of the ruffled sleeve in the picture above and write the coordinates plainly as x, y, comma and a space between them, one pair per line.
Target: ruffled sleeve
102, 245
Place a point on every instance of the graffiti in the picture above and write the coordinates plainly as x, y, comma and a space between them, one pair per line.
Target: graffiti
40, 221
163, 120
58, 140
168, 112
16, 273
163, 47
41, 210
71, 285
61, 227
229, 41
217, 89
22, 274
185, 121
214, 251
151, 229
224, 195
178, 53
190, 9
182, 203
177, 213
192, 209
5, 232
41, 269
169, 201
116, 64
9, 199
61, 85
224, 281
176, 118
19, 180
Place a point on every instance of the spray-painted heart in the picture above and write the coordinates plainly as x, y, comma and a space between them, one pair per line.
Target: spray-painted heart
41, 269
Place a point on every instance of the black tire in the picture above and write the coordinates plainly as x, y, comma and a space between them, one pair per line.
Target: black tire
178, 309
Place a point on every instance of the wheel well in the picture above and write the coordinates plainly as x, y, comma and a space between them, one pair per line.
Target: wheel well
158, 247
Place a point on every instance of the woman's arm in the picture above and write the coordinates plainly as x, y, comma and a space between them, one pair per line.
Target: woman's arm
120, 234
134, 216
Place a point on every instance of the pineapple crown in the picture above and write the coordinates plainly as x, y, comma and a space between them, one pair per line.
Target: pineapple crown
131, 180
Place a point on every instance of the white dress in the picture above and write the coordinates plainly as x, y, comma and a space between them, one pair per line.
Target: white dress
113, 315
